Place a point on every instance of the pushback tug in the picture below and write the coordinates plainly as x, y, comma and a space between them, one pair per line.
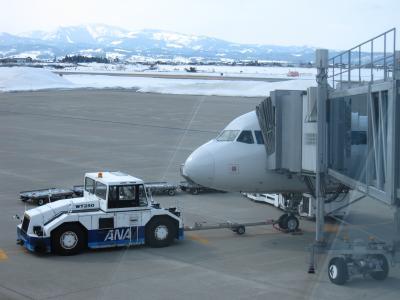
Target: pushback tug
114, 211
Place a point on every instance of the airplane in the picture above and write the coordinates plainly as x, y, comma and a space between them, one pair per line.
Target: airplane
236, 161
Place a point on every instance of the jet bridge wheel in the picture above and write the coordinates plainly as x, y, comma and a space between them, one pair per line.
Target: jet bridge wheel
337, 271
160, 232
69, 239
382, 261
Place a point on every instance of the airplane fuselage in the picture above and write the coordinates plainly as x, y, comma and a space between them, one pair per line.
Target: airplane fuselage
236, 161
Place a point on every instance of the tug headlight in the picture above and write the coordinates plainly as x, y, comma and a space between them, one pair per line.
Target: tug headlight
38, 230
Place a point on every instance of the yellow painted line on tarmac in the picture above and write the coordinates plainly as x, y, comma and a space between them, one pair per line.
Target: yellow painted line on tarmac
197, 238
332, 228
3, 255
22, 250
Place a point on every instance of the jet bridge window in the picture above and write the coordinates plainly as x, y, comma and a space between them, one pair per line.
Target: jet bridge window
348, 136
259, 137
228, 135
246, 137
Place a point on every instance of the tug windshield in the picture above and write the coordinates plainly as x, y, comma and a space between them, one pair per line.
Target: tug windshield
120, 196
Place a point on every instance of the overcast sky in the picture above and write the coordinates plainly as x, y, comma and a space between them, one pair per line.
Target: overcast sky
335, 24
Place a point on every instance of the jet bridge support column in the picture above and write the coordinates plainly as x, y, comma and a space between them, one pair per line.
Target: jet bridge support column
321, 61
396, 202
396, 215
396, 241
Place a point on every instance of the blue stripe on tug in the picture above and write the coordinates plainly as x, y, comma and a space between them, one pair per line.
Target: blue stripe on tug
34, 244
181, 234
116, 237
120, 237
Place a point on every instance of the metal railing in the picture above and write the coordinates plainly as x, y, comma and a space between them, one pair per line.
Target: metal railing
367, 62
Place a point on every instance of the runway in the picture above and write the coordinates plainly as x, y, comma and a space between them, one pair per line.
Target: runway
175, 76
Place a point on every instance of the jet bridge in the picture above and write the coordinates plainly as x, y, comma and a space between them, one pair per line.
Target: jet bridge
288, 121
345, 130
358, 144
281, 124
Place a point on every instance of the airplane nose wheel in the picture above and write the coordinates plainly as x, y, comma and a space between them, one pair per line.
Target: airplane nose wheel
288, 222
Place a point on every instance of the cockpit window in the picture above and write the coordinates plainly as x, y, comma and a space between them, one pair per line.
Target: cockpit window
246, 137
228, 135
259, 137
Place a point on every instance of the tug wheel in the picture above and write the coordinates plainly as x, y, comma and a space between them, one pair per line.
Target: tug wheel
69, 239
160, 232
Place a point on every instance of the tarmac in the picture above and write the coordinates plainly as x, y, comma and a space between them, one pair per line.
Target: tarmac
51, 138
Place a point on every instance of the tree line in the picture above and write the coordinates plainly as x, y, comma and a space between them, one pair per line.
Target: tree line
84, 59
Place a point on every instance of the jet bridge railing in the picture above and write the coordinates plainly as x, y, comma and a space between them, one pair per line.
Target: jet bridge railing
362, 142
370, 61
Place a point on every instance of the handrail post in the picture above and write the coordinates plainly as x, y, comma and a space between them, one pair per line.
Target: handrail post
384, 58
372, 61
396, 56
359, 64
341, 72
349, 68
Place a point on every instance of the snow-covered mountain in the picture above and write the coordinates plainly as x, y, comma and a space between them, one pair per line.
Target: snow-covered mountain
109, 41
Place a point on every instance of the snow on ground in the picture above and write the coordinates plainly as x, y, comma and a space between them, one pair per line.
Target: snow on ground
208, 70
25, 79
22, 79
228, 71
188, 86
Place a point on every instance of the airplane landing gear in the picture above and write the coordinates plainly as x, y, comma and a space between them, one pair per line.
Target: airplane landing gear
288, 222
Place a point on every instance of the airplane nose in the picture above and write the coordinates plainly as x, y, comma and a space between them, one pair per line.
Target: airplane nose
199, 167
